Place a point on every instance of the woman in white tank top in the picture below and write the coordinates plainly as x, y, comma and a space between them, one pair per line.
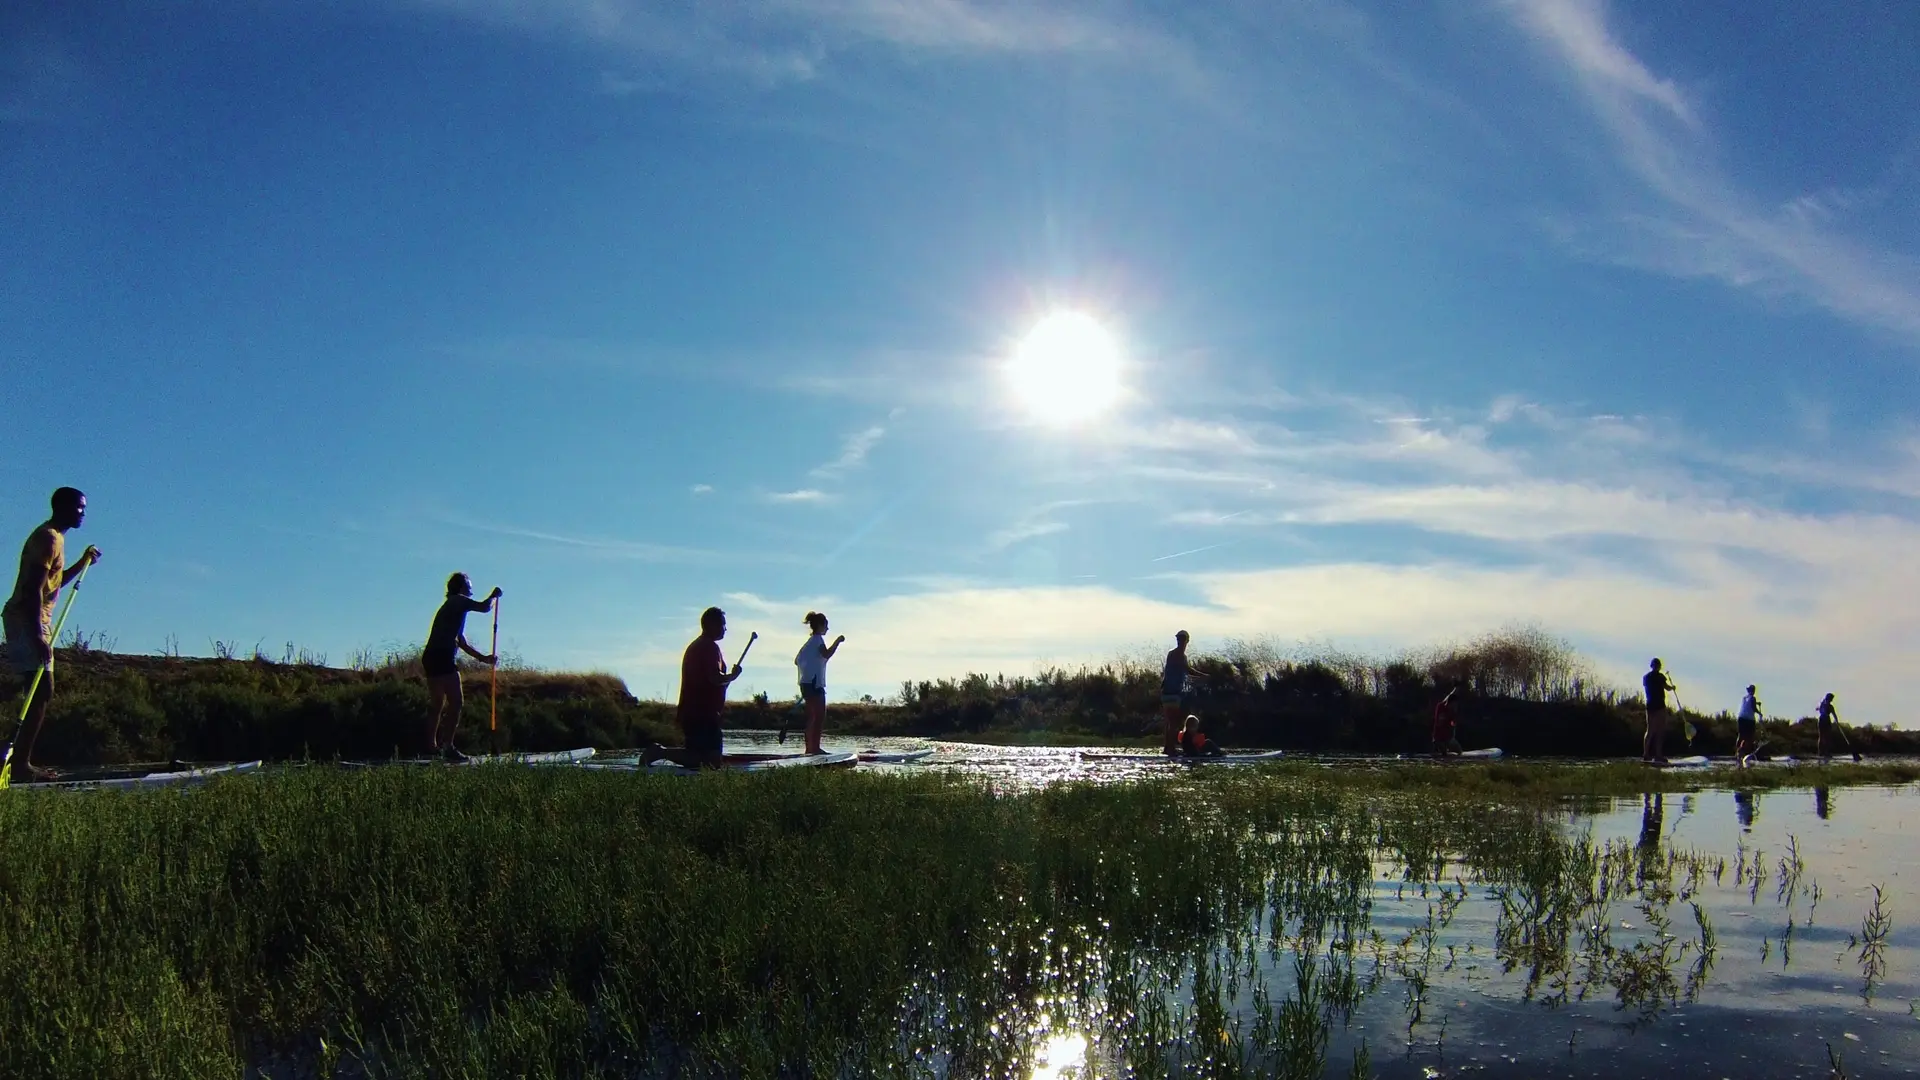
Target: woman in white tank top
812, 662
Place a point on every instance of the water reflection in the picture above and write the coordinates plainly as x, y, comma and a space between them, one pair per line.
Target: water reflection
1652, 820
1394, 938
1061, 1056
1822, 804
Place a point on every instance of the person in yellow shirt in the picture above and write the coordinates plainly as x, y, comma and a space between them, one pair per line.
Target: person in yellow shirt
28, 618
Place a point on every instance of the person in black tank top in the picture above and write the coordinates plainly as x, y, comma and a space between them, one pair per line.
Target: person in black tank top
1653, 748
439, 660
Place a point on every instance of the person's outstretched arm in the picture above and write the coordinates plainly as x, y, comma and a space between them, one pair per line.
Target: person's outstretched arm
473, 652
835, 647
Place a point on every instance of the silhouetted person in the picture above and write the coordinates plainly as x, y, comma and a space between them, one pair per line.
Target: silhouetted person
704, 678
28, 619
1746, 806
1174, 678
1444, 737
440, 660
1745, 743
1822, 806
812, 662
1654, 748
1828, 717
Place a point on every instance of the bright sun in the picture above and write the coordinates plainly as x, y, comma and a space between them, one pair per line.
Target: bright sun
1067, 368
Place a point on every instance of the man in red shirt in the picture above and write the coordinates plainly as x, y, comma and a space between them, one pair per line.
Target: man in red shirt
704, 678
1445, 742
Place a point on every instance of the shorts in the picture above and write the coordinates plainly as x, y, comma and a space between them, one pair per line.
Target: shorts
437, 666
1172, 699
1657, 719
703, 737
1746, 729
20, 656
813, 695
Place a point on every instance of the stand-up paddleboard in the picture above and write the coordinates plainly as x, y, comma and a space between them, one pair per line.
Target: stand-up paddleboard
1230, 759
149, 780
1697, 761
892, 757
551, 757
734, 762
1480, 755
1239, 757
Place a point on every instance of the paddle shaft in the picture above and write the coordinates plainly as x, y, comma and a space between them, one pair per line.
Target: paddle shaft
755, 636
493, 675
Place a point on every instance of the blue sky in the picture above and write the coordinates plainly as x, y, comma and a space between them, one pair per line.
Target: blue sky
1601, 316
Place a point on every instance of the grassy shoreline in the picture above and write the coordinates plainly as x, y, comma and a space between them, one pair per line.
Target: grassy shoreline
113, 708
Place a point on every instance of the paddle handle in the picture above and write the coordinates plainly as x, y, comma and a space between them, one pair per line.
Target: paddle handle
755, 636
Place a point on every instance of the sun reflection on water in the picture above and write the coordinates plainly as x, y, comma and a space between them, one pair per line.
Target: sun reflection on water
1061, 1055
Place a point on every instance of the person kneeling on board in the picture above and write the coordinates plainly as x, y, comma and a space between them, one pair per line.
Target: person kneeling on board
1194, 743
704, 678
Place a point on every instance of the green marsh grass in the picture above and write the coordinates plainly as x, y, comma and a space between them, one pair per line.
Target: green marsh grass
503, 921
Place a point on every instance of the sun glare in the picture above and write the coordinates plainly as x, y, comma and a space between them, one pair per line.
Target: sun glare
1067, 369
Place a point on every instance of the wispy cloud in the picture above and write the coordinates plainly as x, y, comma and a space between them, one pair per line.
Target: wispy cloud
604, 546
702, 489
803, 495
1189, 551
1005, 538
853, 452
787, 41
1692, 219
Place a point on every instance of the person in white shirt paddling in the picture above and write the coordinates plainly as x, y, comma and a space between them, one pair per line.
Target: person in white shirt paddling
812, 662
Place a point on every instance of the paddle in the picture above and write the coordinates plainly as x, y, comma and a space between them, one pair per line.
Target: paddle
1686, 725
493, 674
1844, 739
755, 636
6, 758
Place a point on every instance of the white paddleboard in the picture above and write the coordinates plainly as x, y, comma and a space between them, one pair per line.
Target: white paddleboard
892, 757
1231, 759
151, 780
735, 763
551, 757
1489, 752
1697, 761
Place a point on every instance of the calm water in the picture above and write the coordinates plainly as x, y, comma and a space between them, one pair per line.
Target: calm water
1741, 936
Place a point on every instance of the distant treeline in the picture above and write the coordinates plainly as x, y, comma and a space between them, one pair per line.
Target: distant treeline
1522, 690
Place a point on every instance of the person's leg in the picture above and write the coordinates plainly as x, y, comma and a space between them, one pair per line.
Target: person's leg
436, 701
1169, 725
1646, 742
1660, 739
456, 703
22, 765
816, 720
